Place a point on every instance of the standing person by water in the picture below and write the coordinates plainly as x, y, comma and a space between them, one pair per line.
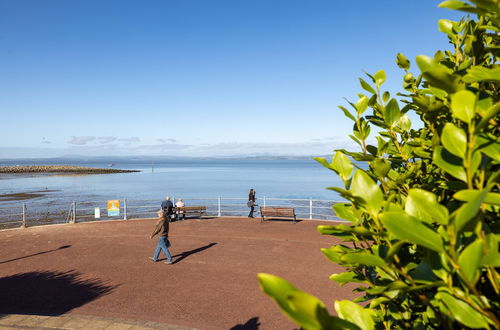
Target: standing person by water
167, 207
251, 202
161, 229
180, 203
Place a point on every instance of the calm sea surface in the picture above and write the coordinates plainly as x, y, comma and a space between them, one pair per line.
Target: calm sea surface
193, 179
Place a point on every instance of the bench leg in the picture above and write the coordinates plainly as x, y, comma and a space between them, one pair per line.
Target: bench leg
261, 218
294, 219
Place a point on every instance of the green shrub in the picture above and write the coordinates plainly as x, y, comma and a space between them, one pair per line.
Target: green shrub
422, 232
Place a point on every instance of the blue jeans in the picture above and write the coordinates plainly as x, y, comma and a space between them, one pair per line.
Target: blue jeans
162, 246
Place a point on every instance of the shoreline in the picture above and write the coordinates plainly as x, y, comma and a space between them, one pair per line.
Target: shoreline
60, 169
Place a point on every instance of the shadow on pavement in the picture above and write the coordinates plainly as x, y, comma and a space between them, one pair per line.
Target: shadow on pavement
186, 254
48, 293
252, 324
36, 254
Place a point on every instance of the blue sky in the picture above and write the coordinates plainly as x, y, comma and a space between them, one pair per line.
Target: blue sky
196, 77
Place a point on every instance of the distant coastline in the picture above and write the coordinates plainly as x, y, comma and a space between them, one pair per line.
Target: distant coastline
60, 169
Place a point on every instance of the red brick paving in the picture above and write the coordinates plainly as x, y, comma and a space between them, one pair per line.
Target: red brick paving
213, 288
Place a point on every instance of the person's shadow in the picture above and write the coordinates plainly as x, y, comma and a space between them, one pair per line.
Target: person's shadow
36, 254
186, 254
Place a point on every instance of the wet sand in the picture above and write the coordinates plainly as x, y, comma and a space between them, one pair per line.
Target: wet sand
24, 195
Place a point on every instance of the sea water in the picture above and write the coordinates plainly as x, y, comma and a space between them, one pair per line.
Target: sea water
281, 179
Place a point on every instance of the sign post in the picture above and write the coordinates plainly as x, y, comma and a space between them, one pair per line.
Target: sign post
114, 208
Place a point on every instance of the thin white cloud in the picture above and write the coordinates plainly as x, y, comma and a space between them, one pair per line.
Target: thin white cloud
106, 139
81, 140
130, 140
166, 140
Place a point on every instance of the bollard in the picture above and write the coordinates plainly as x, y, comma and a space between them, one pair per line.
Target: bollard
23, 225
310, 208
124, 209
218, 207
73, 218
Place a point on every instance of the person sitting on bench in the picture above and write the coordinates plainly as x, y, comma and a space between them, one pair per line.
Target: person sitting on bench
180, 214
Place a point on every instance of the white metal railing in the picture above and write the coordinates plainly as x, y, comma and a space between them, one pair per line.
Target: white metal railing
146, 208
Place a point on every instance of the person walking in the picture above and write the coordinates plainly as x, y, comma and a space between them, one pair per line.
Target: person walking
251, 202
161, 229
167, 207
180, 214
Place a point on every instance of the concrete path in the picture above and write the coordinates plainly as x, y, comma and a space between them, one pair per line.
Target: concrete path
100, 272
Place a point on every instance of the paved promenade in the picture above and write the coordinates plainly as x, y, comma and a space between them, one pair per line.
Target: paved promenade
98, 276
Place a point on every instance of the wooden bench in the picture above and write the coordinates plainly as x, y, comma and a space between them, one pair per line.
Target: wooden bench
190, 210
277, 212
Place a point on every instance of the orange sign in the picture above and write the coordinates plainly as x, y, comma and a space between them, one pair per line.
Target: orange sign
113, 208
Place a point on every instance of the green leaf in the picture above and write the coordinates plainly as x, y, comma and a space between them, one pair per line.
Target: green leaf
440, 77
462, 311
323, 162
492, 256
468, 195
479, 73
379, 77
346, 277
463, 105
402, 61
470, 260
489, 147
363, 186
342, 165
380, 167
392, 113
424, 206
449, 163
469, 210
404, 122
454, 140
452, 4
356, 314
407, 228
346, 212
361, 105
366, 86
446, 26
304, 309
424, 62
362, 258
347, 113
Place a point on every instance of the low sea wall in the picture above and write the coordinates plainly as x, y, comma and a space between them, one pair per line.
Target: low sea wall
60, 169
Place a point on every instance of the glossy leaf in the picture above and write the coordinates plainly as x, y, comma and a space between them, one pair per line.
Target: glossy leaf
469, 210
342, 165
366, 86
462, 312
363, 186
356, 314
478, 73
392, 113
454, 140
379, 77
468, 195
361, 105
380, 167
445, 26
449, 163
304, 309
469, 261
463, 106
424, 206
346, 277
402, 61
346, 212
407, 228
366, 259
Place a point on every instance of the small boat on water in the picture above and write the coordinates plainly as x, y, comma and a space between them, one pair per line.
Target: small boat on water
112, 164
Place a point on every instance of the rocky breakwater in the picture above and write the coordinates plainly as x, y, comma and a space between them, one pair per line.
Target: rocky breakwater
63, 169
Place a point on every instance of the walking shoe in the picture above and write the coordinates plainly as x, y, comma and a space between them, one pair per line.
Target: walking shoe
168, 262
150, 258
